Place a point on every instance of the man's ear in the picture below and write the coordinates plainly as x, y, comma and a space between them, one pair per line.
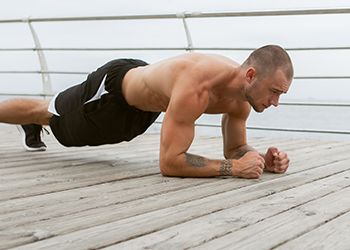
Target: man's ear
250, 75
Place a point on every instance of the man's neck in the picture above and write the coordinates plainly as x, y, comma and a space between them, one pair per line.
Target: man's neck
235, 87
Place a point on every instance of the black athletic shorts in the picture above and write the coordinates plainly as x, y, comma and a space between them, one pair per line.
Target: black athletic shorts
95, 111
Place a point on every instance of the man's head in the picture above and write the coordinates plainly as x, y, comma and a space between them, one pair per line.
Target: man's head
269, 73
266, 60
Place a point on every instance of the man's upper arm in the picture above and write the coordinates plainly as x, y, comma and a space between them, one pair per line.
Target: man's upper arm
234, 128
177, 133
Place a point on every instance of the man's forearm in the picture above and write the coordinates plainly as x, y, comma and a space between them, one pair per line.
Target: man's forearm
222, 168
188, 165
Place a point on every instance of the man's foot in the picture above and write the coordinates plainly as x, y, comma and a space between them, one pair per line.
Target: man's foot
31, 138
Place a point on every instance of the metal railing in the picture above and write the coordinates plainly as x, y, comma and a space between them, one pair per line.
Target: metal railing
47, 89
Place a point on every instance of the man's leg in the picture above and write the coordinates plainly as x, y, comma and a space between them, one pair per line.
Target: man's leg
24, 111
29, 113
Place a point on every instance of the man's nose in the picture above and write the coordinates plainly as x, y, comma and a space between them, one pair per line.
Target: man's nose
274, 101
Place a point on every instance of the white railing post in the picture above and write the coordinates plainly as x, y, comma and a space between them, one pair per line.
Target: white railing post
47, 88
188, 35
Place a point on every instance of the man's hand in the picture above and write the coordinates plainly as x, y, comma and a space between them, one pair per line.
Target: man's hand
250, 166
276, 161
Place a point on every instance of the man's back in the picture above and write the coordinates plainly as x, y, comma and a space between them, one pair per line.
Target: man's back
151, 87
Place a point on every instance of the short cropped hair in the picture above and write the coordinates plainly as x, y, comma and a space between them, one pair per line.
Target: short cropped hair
266, 60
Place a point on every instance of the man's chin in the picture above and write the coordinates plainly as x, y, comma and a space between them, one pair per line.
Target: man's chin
258, 110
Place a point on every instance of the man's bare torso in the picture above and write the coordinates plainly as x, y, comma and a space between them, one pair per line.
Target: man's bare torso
151, 88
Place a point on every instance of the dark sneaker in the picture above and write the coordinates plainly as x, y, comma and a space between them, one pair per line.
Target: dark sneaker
31, 137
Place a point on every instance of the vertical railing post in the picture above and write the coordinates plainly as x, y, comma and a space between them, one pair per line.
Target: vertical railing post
47, 87
188, 35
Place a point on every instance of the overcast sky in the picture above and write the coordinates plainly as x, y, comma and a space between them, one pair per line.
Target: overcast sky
287, 31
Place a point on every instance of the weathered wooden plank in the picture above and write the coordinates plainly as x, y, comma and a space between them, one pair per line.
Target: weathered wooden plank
127, 190
60, 153
44, 187
212, 226
68, 176
318, 155
292, 170
65, 154
93, 170
83, 219
135, 199
334, 234
274, 231
89, 160
59, 204
61, 184
121, 230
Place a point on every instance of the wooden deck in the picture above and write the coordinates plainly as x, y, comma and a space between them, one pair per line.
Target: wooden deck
113, 197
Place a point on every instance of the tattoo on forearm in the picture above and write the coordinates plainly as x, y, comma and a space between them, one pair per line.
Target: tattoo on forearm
241, 151
226, 168
196, 161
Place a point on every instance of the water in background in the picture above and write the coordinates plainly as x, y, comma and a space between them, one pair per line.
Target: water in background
295, 117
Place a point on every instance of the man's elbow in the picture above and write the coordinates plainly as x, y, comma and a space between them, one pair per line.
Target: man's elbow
164, 171
165, 168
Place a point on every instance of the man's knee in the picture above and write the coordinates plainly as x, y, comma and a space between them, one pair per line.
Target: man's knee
41, 113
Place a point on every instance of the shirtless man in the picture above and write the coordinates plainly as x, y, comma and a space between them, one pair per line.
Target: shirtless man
124, 97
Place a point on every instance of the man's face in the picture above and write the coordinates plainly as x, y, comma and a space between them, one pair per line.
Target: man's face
262, 93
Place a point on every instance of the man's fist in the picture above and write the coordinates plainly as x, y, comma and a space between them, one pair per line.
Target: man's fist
250, 166
276, 161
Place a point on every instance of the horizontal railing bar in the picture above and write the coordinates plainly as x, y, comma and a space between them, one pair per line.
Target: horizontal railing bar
82, 73
315, 104
321, 77
284, 12
281, 129
281, 103
301, 130
90, 49
164, 48
43, 72
276, 129
21, 94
